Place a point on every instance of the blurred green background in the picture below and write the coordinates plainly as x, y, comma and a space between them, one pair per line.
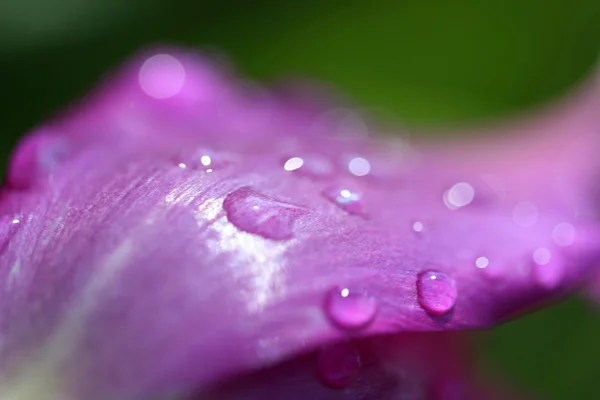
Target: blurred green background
429, 62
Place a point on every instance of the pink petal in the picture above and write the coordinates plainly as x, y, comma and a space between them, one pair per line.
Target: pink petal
156, 244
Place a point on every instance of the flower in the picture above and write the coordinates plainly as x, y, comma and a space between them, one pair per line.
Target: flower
177, 234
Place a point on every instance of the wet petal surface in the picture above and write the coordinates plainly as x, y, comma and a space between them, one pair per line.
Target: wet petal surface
168, 242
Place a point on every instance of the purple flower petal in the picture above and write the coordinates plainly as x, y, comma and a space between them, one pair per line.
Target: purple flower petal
164, 236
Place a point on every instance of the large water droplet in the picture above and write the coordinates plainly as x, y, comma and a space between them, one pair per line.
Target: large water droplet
547, 269
338, 364
256, 213
37, 157
350, 309
436, 292
348, 200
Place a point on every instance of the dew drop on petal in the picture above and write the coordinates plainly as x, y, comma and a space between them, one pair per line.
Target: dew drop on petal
161, 76
36, 157
346, 199
436, 292
256, 213
525, 214
350, 309
563, 234
338, 364
206, 160
418, 226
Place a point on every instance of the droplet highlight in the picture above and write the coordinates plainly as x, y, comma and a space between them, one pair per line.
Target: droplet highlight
338, 364
205, 160
350, 309
436, 293
310, 165
346, 199
256, 213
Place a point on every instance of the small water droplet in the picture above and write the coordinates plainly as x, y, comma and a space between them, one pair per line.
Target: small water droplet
547, 269
338, 364
293, 164
205, 160
436, 292
348, 200
36, 157
350, 309
256, 213
418, 226
310, 165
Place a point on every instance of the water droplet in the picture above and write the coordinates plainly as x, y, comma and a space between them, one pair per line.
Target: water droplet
346, 199
563, 234
359, 166
350, 309
482, 262
256, 213
525, 214
548, 268
36, 157
338, 364
293, 164
162, 76
205, 160
310, 165
418, 226
459, 195
436, 292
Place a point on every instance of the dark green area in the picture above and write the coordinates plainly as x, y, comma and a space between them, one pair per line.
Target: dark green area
427, 61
